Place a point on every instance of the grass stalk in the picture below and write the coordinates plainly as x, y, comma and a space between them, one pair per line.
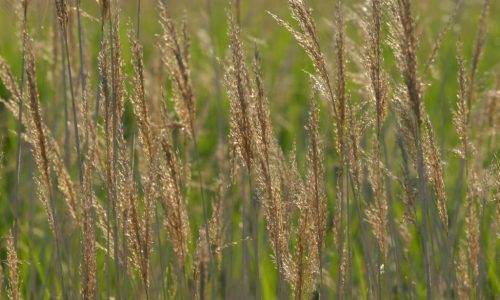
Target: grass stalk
19, 126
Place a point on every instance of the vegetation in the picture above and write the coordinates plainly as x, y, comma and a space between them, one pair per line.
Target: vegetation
252, 149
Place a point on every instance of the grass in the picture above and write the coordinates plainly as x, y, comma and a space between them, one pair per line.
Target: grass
256, 150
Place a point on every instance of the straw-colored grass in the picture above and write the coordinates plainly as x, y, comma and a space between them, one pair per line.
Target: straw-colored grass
146, 198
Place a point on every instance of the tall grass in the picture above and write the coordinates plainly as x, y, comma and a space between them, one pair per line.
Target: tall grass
368, 202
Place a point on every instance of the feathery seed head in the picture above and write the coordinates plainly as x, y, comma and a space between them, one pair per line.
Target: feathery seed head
62, 10
14, 291
241, 130
175, 56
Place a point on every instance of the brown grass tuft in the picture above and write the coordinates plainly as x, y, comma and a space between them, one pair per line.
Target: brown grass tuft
315, 183
241, 131
175, 56
173, 200
14, 291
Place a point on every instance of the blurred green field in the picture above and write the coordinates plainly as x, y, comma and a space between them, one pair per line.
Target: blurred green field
286, 69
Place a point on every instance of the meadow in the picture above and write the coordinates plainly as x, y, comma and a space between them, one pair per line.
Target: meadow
249, 149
